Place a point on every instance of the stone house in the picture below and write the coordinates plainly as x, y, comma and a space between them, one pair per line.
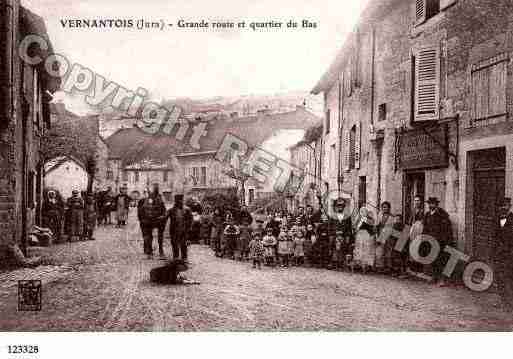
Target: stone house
65, 174
418, 102
195, 170
24, 118
306, 154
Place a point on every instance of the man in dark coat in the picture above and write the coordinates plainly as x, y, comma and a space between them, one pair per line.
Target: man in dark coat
180, 218
437, 224
504, 267
341, 221
151, 212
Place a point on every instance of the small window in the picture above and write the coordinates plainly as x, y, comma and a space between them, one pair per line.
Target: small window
165, 176
251, 195
327, 125
382, 112
136, 176
203, 176
426, 9
110, 175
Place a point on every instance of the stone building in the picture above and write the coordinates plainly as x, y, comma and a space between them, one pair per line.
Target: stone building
418, 101
307, 155
24, 118
65, 174
195, 169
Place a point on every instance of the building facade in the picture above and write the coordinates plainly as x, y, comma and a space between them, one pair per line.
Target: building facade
65, 174
24, 118
307, 155
420, 97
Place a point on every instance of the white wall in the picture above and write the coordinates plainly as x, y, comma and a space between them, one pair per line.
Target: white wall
67, 177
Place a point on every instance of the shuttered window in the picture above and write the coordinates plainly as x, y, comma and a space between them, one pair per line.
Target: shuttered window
352, 147
427, 83
328, 121
426, 9
347, 150
489, 88
357, 146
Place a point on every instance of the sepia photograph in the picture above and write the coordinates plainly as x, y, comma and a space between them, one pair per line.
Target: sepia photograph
252, 166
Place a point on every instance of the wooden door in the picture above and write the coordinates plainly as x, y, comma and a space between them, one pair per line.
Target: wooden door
489, 189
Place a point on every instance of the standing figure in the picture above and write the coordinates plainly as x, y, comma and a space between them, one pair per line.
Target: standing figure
323, 242
340, 232
270, 248
383, 245
206, 228
180, 222
196, 213
122, 203
283, 248
505, 253
244, 239
364, 254
151, 212
256, 249
52, 210
217, 231
299, 248
415, 220
107, 205
308, 245
230, 237
437, 224
90, 217
75, 205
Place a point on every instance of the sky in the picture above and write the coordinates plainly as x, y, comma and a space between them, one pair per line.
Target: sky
203, 63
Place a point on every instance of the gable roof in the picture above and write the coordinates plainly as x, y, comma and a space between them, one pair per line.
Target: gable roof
59, 161
134, 144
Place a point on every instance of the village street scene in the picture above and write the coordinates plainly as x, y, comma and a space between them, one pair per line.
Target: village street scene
377, 197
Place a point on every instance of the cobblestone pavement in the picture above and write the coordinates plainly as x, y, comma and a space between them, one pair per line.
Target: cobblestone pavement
104, 285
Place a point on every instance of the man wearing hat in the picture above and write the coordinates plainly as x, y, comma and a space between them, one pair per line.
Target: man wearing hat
180, 218
505, 252
341, 222
151, 212
437, 224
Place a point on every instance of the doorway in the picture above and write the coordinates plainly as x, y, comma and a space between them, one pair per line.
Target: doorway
488, 190
414, 185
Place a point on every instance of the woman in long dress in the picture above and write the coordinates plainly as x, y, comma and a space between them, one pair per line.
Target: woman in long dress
75, 206
384, 248
122, 205
364, 254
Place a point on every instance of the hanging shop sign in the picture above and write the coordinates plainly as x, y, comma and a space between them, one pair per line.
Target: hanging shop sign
425, 147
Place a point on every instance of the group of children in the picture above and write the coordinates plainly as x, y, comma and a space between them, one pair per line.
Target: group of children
295, 244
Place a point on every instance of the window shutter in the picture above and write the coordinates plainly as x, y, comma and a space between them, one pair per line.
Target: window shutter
357, 147
427, 84
420, 11
346, 150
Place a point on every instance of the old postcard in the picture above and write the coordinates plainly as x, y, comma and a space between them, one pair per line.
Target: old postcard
285, 165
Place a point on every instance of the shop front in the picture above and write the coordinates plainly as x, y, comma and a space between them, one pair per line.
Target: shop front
422, 157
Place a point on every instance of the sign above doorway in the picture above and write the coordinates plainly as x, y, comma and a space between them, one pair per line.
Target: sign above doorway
423, 148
